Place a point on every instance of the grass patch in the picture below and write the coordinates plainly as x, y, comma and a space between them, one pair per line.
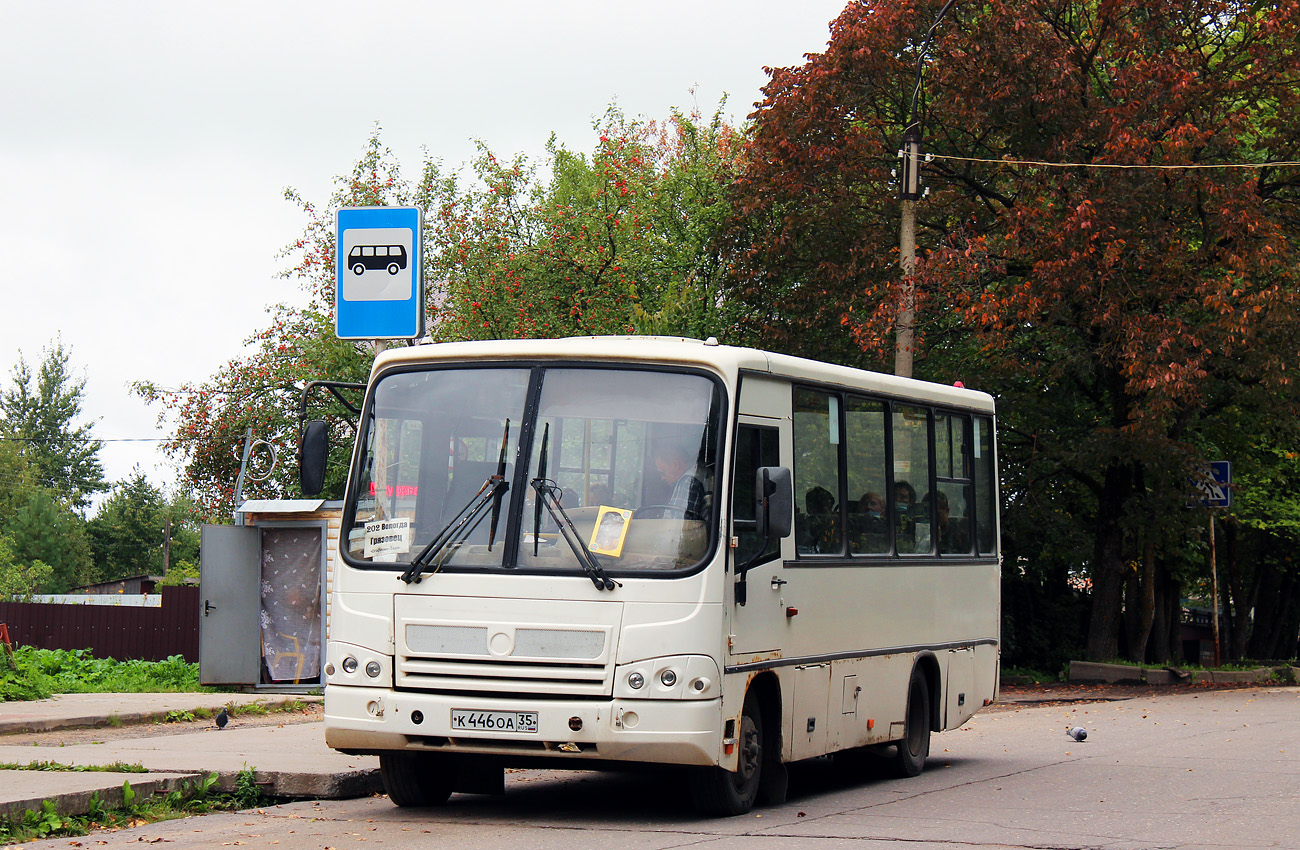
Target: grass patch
234, 709
41, 673
197, 797
1038, 677
115, 767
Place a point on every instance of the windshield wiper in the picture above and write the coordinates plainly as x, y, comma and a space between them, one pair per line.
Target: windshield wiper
467, 519
546, 495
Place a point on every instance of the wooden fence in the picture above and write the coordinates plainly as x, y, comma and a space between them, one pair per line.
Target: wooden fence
110, 631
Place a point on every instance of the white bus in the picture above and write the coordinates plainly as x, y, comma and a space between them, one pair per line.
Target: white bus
615, 551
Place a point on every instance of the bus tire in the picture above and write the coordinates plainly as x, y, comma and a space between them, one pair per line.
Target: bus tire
717, 791
417, 779
358, 269
915, 745
394, 268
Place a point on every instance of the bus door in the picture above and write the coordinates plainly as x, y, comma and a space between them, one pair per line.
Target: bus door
759, 626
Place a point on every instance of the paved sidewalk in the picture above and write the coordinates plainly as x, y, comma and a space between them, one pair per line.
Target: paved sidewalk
68, 711
289, 761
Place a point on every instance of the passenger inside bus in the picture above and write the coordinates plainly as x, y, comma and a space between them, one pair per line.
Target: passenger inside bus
949, 531
821, 534
908, 514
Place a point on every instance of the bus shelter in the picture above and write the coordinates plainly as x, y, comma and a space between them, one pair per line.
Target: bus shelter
264, 585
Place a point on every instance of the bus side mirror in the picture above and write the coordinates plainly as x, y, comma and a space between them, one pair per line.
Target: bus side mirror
775, 509
313, 449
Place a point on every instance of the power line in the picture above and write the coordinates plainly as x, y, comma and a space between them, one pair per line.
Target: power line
1043, 164
83, 439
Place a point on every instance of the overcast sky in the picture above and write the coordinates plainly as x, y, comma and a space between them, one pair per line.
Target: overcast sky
145, 146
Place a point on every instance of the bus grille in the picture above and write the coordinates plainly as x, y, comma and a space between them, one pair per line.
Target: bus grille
445, 674
533, 660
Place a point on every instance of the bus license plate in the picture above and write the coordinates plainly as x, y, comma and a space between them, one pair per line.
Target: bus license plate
493, 721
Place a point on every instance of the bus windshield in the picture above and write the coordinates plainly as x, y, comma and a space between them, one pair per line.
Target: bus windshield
537, 469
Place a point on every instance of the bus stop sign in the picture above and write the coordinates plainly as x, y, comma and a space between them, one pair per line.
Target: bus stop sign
379, 292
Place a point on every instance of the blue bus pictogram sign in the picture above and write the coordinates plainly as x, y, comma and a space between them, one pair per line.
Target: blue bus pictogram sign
380, 289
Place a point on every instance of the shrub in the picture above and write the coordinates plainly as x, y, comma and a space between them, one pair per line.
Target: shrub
39, 673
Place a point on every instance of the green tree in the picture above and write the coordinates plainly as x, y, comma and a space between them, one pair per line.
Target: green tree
19, 581
39, 416
22, 500
619, 241
128, 533
14, 479
1259, 576
1118, 305
258, 394
44, 529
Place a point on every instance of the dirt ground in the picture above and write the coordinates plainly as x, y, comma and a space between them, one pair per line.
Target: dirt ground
59, 737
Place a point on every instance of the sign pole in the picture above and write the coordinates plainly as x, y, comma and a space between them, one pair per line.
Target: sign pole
1214, 591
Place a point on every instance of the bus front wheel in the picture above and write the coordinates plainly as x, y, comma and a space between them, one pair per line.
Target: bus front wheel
716, 791
417, 779
915, 746
358, 269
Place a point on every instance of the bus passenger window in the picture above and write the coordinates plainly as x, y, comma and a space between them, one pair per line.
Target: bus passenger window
868, 517
912, 473
986, 516
817, 473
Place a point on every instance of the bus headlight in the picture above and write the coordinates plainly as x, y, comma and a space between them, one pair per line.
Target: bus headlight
345, 664
672, 677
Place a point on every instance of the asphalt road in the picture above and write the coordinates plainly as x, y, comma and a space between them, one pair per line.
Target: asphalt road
1216, 769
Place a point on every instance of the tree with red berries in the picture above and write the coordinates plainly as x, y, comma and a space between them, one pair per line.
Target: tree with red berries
255, 396
622, 240
618, 241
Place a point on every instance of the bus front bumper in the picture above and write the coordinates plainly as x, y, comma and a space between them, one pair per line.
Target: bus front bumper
374, 720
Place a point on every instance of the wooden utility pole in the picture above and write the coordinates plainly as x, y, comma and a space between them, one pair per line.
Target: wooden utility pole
909, 192
906, 333
167, 546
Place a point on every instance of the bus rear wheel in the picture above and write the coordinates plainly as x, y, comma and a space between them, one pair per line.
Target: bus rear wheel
417, 779
915, 746
716, 791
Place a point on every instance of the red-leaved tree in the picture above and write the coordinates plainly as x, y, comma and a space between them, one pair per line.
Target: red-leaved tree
1110, 243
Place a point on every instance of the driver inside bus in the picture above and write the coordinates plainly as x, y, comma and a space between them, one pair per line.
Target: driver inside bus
677, 468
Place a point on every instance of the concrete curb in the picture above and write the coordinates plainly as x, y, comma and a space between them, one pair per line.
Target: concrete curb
62, 713
1092, 671
310, 786
71, 792
75, 791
